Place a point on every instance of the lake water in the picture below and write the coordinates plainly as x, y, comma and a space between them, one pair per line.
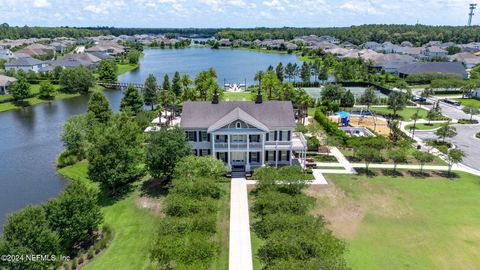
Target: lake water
30, 138
232, 66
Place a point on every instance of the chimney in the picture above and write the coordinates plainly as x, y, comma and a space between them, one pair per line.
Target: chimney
215, 97
259, 100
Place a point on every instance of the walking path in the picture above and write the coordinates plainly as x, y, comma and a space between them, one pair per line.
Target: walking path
240, 251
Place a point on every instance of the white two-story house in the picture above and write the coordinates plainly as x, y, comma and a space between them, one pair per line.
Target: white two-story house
243, 134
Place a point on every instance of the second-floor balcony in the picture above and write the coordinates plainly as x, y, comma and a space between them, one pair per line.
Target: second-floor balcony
238, 145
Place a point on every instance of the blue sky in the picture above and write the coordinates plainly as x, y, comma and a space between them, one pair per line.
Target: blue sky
232, 13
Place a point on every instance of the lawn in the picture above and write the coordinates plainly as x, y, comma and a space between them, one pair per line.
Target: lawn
232, 96
406, 113
256, 241
404, 223
124, 68
424, 126
469, 102
133, 227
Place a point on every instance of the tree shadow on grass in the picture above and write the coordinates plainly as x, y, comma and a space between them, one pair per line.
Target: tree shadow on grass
107, 198
21, 103
451, 176
419, 174
363, 171
392, 173
154, 188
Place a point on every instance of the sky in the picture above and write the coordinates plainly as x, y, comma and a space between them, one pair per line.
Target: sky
233, 13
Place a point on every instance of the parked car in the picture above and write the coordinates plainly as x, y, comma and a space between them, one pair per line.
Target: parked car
451, 102
419, 99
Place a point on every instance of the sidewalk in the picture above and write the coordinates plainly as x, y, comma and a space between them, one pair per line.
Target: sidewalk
240, 250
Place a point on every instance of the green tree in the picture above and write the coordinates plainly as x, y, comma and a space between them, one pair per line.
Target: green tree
20, 89
332, 92
177, 84
397, 101
166, 148
27, 232
446, 130
132, 100
348, 99
166, 83
368, 97
107, 71
368, 155
206, 84
454, 156
99, 108
471, 110
115, 155
289, 71
47, 90
133, 56
422, 158
432, 115
305, 72
75, 135
74, 215
280, 71
397, 155
150, 91
192, 166
415, 118
76, 80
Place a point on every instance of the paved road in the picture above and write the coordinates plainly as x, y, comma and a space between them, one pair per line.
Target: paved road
240, 251
465, 140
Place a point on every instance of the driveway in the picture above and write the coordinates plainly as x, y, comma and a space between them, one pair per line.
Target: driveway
465, 140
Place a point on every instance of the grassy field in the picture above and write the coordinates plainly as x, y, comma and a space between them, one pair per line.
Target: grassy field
406, 113
424, 126
231, 96
469, 102
134, 218
404, 223
124, 68
133, 225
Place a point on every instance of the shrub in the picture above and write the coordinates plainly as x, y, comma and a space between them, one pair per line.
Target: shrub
181, 225
74, 263
65, 158
80, 258
197, 187
274, 202
182, 206
329, 127
467, 121
313, 143
283, 222
90, 253
477, 135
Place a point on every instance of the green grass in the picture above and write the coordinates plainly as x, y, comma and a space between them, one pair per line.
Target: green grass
406, 113
256, 241
232, 96
223, 219
424, 126
133, 227
124, 68
472, 102
408, 223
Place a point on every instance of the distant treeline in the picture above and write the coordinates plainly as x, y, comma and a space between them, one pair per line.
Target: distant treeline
417, 34
17, 32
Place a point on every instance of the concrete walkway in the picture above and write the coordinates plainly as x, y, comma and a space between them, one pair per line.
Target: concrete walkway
240, 250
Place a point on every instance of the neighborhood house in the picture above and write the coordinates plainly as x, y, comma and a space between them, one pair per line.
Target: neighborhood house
243, 134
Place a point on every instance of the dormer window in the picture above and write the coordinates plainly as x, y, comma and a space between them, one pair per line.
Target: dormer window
238, 125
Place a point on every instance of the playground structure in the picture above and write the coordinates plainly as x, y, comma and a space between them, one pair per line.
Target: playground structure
365, 118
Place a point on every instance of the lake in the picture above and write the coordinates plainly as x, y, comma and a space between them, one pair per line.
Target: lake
30, 138
232, 66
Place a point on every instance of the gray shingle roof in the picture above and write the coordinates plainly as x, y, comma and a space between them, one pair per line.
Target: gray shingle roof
272, 114
434, 67
24, 62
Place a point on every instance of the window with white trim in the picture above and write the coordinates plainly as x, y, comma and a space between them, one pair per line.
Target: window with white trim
191, 135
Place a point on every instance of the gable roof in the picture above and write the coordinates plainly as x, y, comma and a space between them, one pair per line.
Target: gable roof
237, 114
25, 61
5, 80
434, 67
269, 114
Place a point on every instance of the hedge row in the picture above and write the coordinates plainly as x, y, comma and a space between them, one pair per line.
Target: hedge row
294, 239
330, 127
186, 236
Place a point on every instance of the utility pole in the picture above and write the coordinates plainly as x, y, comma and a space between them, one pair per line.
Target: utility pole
470, 15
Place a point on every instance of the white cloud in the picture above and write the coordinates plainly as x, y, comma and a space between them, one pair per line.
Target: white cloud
275, 4
363, 8
95, 9
41, 3
237, 3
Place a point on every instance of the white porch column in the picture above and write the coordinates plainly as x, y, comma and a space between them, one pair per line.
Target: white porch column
229, 154
276, 157
247, 155
212, 136
263, 139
